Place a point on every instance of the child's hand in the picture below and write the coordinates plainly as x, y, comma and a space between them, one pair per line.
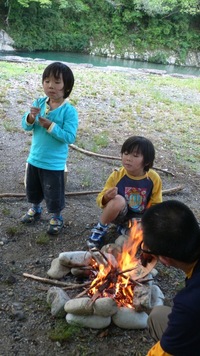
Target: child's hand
34, 111
110, 194
44, 122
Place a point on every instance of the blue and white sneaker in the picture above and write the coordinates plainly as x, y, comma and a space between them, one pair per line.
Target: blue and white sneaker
96, 238
55, 225
31, 216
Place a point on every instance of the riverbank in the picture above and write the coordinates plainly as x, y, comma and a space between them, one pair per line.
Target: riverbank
99, 61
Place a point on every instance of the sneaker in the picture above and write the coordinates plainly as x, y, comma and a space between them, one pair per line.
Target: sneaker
96, 239
122, 230
55, 226
31, 216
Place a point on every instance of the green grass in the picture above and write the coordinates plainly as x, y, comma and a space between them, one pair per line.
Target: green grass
14, 230
63, 332
42, 239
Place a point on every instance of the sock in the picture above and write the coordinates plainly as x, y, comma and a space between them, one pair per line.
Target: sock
102, 225
37, 208
57, 216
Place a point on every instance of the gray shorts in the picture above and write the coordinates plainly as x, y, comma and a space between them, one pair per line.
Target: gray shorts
48, 185
125, 215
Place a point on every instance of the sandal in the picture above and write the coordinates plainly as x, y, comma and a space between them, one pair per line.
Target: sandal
55, 226
31, 216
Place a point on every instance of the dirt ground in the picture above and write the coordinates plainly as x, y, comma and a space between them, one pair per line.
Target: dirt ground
27, 249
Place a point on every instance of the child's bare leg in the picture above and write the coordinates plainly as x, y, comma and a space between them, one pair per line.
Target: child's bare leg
112, 209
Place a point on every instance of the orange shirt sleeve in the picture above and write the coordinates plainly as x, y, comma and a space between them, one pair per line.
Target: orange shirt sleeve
157, 350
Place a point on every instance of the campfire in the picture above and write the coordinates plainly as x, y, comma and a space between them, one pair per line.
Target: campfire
118, 276
118, 287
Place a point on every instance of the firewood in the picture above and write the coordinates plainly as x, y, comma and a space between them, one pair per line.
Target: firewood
55, 282
169, 191
84, 292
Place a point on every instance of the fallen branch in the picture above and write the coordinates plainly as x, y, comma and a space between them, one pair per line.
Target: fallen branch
88, 192
22, 195
90, 153
54, 282
172, 190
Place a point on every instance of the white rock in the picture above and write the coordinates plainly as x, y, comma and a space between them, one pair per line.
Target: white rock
57, 270
80, 272
105, 258
154, 272
120, 240
142, 298
57, 298
89, 321
105, 307
112, 249
75, 258
157, 296
79, 306
127, 318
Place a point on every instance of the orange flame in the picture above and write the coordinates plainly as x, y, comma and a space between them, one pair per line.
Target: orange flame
116, 282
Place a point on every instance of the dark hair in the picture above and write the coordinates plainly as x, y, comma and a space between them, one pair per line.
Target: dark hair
141, 145
57, 69
170, 229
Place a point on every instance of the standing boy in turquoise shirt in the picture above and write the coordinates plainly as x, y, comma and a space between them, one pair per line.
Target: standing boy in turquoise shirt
54, 122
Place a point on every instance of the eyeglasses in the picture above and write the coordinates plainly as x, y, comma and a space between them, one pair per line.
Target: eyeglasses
147, 251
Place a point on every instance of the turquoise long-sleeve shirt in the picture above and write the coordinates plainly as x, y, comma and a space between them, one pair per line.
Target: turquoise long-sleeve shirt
49, 148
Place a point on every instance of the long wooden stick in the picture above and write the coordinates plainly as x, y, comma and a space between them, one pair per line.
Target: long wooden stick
55, 282
90, 153
89, 192
21, 195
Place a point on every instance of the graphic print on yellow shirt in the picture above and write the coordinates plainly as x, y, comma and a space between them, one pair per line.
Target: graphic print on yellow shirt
136, 198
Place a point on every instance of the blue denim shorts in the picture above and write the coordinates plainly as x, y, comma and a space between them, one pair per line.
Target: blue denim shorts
48, 185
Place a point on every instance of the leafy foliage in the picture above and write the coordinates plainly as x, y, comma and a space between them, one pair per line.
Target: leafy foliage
76, 25
154, 7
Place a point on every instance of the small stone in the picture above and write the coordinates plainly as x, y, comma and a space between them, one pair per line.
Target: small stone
57, 298
17, 311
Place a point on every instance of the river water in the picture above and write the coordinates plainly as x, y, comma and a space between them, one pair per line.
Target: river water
97, 61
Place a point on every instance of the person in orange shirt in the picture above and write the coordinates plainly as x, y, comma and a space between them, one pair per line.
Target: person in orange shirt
172, 233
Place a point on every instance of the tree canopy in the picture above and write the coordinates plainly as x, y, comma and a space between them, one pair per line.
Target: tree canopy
150, 7
102, 26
